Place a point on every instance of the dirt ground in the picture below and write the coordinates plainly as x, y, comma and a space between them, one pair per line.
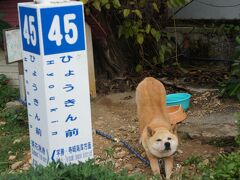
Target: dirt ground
115, 114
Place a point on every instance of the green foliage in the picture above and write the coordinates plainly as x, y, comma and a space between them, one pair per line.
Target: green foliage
88, 171
14, 127
238, 128
7, 93
139, 68
3, 25
231, 87
175, 3
109, 152
15, 114
142, 22
192, 160
226, 167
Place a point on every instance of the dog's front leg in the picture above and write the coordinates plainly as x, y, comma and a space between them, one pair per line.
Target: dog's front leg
153, 163
168, 161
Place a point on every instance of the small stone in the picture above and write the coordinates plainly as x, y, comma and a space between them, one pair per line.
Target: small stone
208, 135
194, 135
26, 167
195, 102
14, 104
120, 154
17, 165
179, 151
206, 162
16, 141
122, 128
30, 161
118, 149
178, 168
2, 123
29, 154
117, 164
137, 170
11, 158
129, 167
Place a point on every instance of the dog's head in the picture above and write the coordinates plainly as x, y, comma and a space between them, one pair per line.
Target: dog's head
162, 142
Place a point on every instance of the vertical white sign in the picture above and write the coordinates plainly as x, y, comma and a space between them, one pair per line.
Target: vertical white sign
56, 79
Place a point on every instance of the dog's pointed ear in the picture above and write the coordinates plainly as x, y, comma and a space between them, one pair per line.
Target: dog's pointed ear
174, 129
150, 131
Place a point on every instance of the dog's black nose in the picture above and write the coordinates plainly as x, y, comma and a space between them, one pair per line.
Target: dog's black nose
167, 146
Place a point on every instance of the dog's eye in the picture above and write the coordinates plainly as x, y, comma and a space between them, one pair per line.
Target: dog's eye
169, 138
159, 140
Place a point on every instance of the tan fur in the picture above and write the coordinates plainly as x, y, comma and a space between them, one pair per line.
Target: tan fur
155, 128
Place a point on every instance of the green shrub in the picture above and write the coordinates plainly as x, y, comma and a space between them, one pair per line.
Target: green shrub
7, 93
142, 22
17, 115
226, 167
3, 25
88, 171
231, 87
192, 160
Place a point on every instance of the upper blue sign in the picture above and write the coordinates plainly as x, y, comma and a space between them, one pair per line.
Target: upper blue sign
63, 29
29, 29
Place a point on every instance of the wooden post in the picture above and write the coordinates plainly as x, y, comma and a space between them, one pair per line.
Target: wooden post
21, 81
91, 71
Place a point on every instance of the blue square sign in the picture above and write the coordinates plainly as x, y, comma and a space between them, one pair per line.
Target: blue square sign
29, 29
62, 29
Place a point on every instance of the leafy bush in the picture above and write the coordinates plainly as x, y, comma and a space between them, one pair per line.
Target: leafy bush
88, 171
15, 114
143, 22
231, 87
226, 167
193, 160
7, 93
3, 25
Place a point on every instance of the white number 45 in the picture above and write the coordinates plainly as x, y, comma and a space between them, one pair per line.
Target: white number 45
29, 31
55, 34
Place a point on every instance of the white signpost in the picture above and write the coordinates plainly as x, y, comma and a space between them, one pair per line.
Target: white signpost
56, 79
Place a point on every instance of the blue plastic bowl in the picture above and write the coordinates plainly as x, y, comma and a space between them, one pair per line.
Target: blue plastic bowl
182, 99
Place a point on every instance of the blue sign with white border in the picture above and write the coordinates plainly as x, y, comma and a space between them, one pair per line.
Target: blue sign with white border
29, 30
63, 29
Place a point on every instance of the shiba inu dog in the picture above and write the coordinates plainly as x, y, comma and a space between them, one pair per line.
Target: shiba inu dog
157, 136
